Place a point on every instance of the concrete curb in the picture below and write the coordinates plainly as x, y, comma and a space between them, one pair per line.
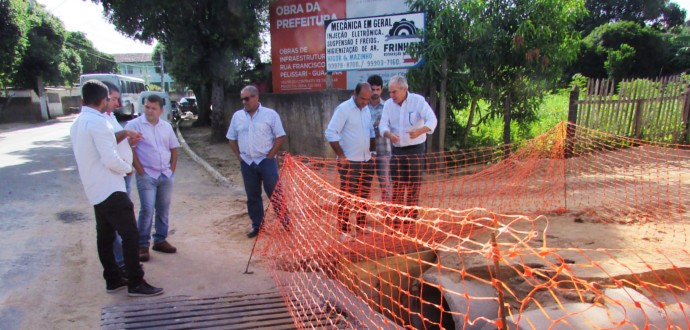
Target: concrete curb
223, 181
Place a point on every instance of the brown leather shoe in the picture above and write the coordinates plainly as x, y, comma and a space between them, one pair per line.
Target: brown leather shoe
143, 254
164, 247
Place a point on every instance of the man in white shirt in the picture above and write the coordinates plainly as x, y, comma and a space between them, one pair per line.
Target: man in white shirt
124, 150
406, 120
351, 135
101, 170
255, 136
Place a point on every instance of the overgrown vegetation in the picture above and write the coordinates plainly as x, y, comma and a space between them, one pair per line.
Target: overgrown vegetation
488, 131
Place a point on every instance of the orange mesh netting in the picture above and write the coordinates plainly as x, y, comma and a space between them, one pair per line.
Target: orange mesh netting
573, 229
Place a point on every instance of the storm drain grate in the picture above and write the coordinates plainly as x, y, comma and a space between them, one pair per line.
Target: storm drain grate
232, 311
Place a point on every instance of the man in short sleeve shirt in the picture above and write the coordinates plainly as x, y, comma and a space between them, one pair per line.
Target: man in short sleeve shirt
256, 135
155, 161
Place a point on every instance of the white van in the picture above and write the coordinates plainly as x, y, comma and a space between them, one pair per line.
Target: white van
130, 88
167, 104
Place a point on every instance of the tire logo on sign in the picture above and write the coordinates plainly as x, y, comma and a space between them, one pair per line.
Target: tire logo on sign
403, 29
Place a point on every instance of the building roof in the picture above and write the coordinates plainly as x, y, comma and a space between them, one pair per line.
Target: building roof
132, 58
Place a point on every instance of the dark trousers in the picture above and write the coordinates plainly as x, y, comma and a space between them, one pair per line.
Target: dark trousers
407, 165
356, 179
116, 214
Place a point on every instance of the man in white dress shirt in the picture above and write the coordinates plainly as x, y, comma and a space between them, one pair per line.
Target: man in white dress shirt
351, 135
125, 141
406, 120
101, 170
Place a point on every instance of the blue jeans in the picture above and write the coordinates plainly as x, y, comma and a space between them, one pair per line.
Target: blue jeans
253, 176
117, 245
155, 195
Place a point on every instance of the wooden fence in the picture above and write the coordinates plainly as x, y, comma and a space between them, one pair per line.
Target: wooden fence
653, 110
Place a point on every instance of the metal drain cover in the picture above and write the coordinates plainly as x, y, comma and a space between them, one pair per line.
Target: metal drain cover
231, 311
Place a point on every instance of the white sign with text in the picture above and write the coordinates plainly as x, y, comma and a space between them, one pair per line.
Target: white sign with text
377, 42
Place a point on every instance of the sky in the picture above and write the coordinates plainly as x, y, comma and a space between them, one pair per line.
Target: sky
87, 17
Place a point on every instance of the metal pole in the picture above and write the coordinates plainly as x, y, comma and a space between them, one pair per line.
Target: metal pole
160, 52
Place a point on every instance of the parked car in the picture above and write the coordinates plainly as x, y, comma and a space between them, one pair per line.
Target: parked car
167, 105
188, 104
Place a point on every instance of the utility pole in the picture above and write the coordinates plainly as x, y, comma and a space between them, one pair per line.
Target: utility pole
162, 69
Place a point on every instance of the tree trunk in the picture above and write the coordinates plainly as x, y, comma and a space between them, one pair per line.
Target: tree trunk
45, 115
506, 123
432, 141
443, 107
218, 126
470, 120
202, 94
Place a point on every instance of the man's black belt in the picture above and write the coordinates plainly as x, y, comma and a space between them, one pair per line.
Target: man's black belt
409, 147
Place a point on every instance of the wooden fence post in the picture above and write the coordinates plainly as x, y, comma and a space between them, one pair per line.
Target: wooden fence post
637, 119
686, 115
572, 120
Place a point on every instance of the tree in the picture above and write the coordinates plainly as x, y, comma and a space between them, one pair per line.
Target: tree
46, 37
679, 53
602, 12
671, 16
92, 60
12, 26
623, 50
70, 68
511, 50
206, 43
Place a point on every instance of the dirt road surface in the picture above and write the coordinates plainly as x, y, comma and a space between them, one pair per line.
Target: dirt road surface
50, 276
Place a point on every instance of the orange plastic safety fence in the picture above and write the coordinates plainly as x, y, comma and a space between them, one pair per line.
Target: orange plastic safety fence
573, 229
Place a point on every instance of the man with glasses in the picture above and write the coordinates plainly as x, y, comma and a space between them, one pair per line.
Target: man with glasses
406, 120
256, 135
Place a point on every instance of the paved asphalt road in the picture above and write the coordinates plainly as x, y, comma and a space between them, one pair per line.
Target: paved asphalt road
41, 195
50, 276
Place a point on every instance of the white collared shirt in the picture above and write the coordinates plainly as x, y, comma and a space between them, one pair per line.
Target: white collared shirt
255, 135
400, 119
123, 148
352, 128
100, 167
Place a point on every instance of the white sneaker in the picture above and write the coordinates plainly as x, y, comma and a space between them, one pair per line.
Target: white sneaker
344, 237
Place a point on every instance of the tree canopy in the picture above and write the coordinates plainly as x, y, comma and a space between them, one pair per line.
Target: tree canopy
207, 43
35, 44
507, 51
12, 26
92, 60
46, 38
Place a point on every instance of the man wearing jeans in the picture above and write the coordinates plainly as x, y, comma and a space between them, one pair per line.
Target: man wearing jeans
351, 135
101, 170
256, 134
155, 161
